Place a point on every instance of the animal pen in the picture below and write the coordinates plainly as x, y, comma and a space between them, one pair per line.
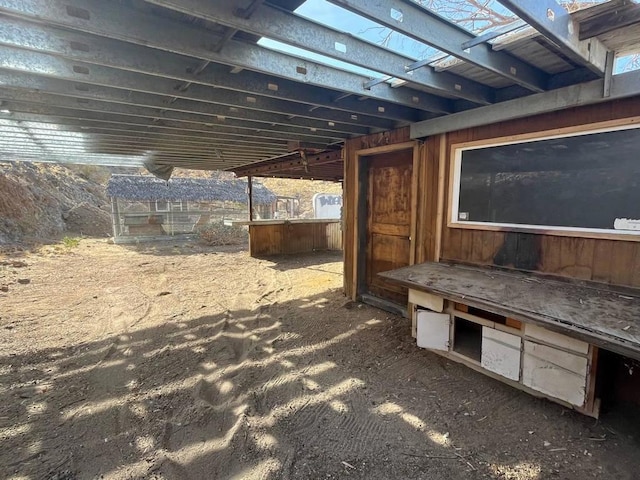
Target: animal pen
145, 207
490, 192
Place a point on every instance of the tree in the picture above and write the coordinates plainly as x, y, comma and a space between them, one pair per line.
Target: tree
477, 16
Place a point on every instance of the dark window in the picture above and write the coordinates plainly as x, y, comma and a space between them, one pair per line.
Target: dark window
589, 181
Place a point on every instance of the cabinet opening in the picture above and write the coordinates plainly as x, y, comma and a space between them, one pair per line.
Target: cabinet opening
467, 338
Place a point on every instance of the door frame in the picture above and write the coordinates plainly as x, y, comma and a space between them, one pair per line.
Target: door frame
361, 196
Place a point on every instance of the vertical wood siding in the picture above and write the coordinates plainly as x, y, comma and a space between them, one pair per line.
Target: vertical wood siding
290, 238
608, 261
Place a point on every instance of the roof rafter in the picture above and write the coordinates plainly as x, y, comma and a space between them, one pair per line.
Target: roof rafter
193, 129
131, 26
153, 134
143, 143
628, 14
32, 83
295, 30
622, 86
62, 149
554, 22
136, 59
427, 27
83, 75
156, 114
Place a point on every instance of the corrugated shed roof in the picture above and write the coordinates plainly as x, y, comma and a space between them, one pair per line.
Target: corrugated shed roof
141, 187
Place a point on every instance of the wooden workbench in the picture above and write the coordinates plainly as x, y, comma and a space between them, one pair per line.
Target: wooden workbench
598, 314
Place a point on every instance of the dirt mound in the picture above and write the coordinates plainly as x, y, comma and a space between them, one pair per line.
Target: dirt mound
89, 220
41, 202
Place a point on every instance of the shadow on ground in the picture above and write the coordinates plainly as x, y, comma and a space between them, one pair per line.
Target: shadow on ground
315, 387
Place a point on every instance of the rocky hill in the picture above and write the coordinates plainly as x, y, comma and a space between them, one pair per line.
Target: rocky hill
43, 202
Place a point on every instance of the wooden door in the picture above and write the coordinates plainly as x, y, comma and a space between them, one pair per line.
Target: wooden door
388, 221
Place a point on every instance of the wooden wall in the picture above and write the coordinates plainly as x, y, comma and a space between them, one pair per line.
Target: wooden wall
608, 261
286, 238
350, 191
425, 203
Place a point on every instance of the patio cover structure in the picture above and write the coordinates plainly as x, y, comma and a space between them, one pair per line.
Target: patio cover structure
186, 83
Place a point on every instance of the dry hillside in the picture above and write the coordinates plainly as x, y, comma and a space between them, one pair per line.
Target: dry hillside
41, 202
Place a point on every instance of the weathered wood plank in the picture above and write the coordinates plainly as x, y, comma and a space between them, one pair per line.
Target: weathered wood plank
553, 372
601, 268
501, 353
605, 316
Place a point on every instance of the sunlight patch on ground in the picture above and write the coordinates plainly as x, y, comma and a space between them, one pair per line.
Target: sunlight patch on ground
37, 408
139, 410
145, 444
338, 406
390, 408
291, 407
89, 368
520, 471
14, 431
261, 470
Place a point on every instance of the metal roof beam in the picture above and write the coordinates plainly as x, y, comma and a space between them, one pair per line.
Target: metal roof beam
217, 130
135, 134
96, 54
146, 30
25, 148
428, 27
622, 86
93, 144
155, 114
111, 161
143, 143
70, 150
32, 83
74, 119
263, 168
554, 22
292, 29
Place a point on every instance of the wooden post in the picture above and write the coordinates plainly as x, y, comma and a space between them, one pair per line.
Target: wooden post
250, 193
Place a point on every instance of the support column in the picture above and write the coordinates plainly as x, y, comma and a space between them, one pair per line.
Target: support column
250, 193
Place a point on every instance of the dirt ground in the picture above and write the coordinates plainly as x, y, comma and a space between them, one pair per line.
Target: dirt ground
186, 362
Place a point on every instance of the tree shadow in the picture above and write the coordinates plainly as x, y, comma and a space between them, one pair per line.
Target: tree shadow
308, 260
298, 389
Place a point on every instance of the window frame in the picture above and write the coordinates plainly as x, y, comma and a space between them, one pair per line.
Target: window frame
455, 165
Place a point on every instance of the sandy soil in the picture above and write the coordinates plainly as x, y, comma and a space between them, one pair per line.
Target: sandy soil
185, 362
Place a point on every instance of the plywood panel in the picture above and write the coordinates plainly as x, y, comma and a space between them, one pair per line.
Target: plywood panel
387, 253
291, 238
390, 196
555, 373
622, 258
601, 267
426, 300
265, 240
501, 353
333, 233
542, 335
433, 330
